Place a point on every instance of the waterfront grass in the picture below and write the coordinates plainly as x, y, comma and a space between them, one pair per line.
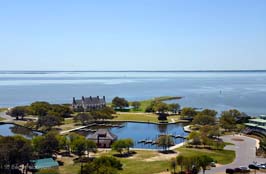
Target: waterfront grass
145, 103
3, 109
221, 156
141, 117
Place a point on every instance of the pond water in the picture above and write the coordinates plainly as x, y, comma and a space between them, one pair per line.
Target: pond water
145, 131
12, 129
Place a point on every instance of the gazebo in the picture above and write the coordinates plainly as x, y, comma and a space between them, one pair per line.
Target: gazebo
103, 138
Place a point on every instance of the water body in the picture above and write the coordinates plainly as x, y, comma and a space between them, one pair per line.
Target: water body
243, 90
11, 129
149, 131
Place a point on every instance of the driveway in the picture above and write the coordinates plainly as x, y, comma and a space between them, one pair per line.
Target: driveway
245, 148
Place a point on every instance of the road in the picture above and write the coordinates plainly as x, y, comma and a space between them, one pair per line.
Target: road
6, 117
245, 153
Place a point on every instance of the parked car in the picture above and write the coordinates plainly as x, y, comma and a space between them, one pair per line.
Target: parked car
244, 169
230, 171
253, 166
261, 166
237, 170
213, 164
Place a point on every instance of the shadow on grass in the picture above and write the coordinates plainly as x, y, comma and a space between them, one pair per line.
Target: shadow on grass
167, 152
125, 155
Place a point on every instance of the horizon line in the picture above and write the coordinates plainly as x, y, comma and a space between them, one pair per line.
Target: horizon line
218, 70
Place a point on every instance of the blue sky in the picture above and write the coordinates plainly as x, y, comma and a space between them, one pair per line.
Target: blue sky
132, 34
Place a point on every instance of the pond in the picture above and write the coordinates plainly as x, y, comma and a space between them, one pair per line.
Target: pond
143, 131
12, 129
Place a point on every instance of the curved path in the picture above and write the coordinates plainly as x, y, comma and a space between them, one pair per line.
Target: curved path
245, 153
6, 117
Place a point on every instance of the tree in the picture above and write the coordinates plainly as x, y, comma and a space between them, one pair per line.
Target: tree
228, 120
173, 164
64, 143
84, 118
195, 138
119, 146
165, 141
160, 107
136, 105
49, 121
209, 112
128, 144
188, 112
14, 150
40, 108
119, 103
48, 171
78, 144
46, 145
60, 110
202, 119
19, 111
180, 159
90, 147
174, 107
204, 162
102, 165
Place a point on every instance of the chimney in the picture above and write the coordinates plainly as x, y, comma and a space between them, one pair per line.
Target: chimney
83, 98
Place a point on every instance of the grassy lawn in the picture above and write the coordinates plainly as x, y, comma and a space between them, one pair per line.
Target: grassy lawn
2, 119
136, 117
3, 109
140, 162
221, 156
134, 164
145, 103
142, 117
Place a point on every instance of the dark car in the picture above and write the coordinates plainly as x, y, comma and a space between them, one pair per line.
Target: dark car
237, 170
230, 171
253, 166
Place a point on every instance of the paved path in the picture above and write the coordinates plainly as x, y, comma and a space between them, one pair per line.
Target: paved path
245, 153
6, 117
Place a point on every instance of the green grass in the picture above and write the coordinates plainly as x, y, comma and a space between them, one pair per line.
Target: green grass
135, 164
2, 119
3, 109
142, 117
145, 103
138, 163
221, 156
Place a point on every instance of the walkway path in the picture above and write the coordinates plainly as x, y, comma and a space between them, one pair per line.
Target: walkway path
70, 130
245, 148
6, 117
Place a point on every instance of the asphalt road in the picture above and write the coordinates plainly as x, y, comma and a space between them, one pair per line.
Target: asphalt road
245, 153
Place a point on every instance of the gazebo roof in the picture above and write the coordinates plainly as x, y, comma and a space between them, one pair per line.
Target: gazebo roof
102, 134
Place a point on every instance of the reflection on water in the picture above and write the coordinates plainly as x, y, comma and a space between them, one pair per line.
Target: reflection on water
143, 131
11, 129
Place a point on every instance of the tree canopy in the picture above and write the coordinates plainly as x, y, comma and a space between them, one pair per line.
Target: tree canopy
14, 150
120, 103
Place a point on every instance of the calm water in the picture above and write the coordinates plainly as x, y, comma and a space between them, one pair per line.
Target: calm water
245, 91
141, 131
11, 129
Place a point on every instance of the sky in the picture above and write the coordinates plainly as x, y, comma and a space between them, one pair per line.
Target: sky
132, 35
